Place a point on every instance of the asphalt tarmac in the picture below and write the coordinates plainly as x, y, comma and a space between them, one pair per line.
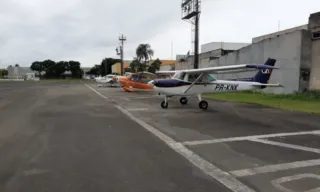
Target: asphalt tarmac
80, 137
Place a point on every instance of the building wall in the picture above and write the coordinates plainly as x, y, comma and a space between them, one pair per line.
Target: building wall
314, 27
116, 68
19, 71
286, 49
165, 68
276, 34
222, 45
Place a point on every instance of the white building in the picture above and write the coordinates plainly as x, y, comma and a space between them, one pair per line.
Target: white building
230, 46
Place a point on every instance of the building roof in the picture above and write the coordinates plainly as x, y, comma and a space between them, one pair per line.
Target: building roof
168, 62
126, 64
278, 33
207, 47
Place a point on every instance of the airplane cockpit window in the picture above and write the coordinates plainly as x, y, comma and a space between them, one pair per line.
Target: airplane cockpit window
133, 77
193, 77
211, 77
146, 77
179, 75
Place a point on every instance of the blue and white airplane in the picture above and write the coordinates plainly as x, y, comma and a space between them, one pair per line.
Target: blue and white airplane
194, 82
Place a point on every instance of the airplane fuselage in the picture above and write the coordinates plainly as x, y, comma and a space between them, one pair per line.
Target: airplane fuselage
217, 86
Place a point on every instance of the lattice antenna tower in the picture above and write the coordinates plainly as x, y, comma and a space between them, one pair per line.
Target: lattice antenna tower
190, 11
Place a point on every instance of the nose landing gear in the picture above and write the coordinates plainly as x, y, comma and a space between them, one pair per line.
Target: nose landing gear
164, 104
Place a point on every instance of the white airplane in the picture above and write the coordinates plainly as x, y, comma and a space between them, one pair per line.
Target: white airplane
106, 80
194, 82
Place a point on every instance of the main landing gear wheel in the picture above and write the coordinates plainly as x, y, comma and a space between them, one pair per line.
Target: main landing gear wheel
183, 100
203, 104
164, 104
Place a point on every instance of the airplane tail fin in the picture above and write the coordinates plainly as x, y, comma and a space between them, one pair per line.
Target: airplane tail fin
263, 75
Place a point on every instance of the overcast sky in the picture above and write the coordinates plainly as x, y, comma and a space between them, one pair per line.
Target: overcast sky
88, 30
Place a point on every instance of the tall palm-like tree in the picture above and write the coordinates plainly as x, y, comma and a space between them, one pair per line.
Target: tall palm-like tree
144, 53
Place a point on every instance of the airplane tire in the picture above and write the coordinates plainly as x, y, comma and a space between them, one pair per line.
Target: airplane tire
164, 104
203, 104
183, 100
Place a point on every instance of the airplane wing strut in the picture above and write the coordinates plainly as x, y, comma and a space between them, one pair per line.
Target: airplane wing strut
193, 83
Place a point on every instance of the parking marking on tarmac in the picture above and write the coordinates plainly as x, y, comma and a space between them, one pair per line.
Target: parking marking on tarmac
275, 168
138, 109
246, 138
291, 146
277, 182
229, 178
223, 177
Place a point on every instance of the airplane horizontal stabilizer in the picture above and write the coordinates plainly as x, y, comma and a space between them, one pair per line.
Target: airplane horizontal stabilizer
267, 85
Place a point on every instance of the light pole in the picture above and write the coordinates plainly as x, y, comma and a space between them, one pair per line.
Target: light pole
120, 52
191, 11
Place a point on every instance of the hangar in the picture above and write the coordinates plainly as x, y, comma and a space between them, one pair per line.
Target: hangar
297, 51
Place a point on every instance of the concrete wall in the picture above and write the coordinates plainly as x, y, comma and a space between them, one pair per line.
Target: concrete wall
165, 67
314, 27
19, 71
305, 64
222, 45
276, 34
286, 49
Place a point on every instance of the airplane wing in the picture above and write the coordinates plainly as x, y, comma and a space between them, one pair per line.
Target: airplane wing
230, 68
166, 72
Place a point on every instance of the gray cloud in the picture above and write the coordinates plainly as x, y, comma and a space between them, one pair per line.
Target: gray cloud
88, 30
37, 30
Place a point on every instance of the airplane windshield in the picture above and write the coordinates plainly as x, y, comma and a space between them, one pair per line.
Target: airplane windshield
211, 77
179, 75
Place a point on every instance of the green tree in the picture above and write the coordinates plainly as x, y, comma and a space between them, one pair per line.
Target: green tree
134, 65
172, 67
155, 65
60, 68
144, 54
37, 66
49, 67
75, 68
17, 65
3, 72
106, 65
95, 70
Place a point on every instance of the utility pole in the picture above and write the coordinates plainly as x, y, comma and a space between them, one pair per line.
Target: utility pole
191, 11
121, 39
196, 37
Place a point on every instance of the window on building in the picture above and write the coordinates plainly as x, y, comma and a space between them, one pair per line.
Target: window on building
316, 35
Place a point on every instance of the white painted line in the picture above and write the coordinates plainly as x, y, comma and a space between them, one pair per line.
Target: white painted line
298, 147
223, 177
202, 142
96, 91
275, 168
277, 182
138, 109
150, 97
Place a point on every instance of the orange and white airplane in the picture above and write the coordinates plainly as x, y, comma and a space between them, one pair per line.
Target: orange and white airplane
137, 81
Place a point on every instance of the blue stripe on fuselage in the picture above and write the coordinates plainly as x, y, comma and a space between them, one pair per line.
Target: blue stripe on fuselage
170, 83
173, 83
